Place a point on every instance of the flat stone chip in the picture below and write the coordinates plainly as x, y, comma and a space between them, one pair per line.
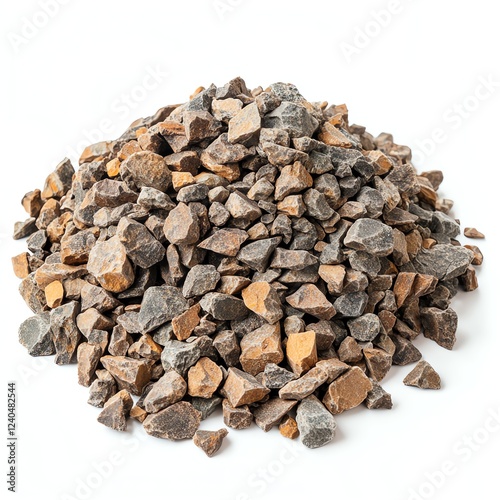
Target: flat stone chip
241, 388
270, 413
179, 421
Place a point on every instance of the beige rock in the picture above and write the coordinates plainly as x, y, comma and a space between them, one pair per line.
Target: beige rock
184, 324
242, 388
261, 298
333, 276
54, 294
204, 378
309, 299
301, 351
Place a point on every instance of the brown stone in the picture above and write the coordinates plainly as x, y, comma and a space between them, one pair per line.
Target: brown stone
116, 410
182, 226
260, 347
309, 299
148, 169
261, 298
20, 265
305, 385
270, 413
138, 414
378, 363
242, 388
225, 242
47, 273
403, 287
472, 232
179, 421
130, 374
468, 280
145, 347
350, 351
210, 441
288, 428
332, 136
109, 264
245, 125
333, 276
293, 179
88, 357
32, 202
236, 418
301, 351
166, 391
184, 324
204, 378
92, 319
54, 294
423, 376
347, 391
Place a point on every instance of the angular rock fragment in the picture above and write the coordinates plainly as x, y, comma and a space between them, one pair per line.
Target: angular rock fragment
35, 335
146, 169
179, 421
169, 389
261, 347
116, 410
423, 376
276, 377
182, 225
88, 357
236, 418
301, 351
204, 378
225, 242
65, 333
200, 280
242, 388
206, 406
316, 425
304, 386
440, 326
101, 389
309, 299
372, 236
130, 374
288, 428
270, 413
365, 328
210, 441
378, 398
261, 298
347, 391
223, 307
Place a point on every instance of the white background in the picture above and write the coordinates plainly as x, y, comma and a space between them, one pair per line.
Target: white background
66, 81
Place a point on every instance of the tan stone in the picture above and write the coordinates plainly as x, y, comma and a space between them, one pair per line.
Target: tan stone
347, 391
350, 351
301, 351
242, 388
20, 265
333, 276
288, 428
309, 299
332, 136
182, 179
292, 206
54, 294
109, 264
137, 413
232, 284
184, 324
378, 363
382, 163
293, 179
113, 167
403, 287
130, 374
261, 298
204, 378
260, 347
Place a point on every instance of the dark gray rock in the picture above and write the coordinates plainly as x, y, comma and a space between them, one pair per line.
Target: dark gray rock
36, 336
256, 255
365, 328
180, 356
371, 236
351, 305
443, 261
316, 424
200, 280
223, 307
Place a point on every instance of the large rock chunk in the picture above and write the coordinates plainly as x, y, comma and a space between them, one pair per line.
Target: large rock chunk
182, 225
261, 347
372, 236
159, 305
143, 249
36, 336
204, 378
223, 307
179, 421
347, 391
200, 280
109, 264
440, 326
130, 374
146, 169
311, 300
261, 298
245, 125
65, 333
256, 254
445, 262
316, 425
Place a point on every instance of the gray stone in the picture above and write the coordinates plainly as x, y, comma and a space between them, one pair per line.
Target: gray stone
270, 413
256, 255
445, 262
159, 305
365, 328
179, 356
200, 280
378, 398
227, 346
195, 192
101, 389
292, 259
405, 353
351, 305
372, 200
275, 377
169, 389
24, 228
371, 236
317, 205
36, 336
223, 307
440, 326
152, 199
316, 424
206, 406
294, 118
179, 421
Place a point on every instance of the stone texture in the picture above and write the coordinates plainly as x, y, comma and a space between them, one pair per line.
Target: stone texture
261, 298
372, 236
270, 413
169, 389
130, 374
88, 357
301, 351
423, 376
204, 378
347, 391
65, 333
223, 307
210, 441
365, 328
440, 326
116, 411
241, 388
236, 418
179, 421
35, 335
261, 347
146, 169
309, 299
316, 425
378, 398
288, 428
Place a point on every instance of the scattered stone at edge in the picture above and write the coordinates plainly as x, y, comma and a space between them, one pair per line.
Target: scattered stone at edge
316, 424
236, 418
378, 398
210, 441
130, 374
101, 389
179, 421
116, 411
270, 413
472, 232
288, 427
36, 336
423, 376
